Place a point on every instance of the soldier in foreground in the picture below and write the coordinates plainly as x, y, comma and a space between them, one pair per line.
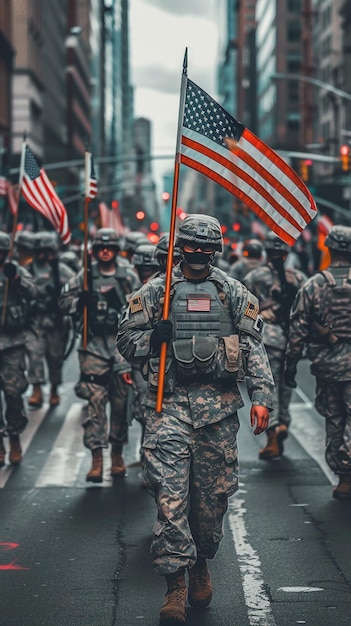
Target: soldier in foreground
17, 289
190, 448
276, 288
320, 319
104, 374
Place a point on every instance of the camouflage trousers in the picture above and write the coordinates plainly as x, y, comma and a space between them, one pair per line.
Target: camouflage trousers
191, 473
333, 401
108, 387
45, 345
13, 383
281, 393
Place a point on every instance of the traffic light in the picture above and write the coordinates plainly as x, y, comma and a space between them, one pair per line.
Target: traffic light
345, 157
304, 171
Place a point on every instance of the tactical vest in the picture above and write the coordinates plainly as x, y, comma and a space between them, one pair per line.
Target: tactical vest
336, 301
16, 317
44, 280
111, 299
205, 340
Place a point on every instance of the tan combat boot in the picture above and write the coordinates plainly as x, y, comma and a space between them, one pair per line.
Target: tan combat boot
343, 490
200, 585
95, 473
173, 609
2, 452
36, 399
15, 450
274, 446
118, 467
54, 397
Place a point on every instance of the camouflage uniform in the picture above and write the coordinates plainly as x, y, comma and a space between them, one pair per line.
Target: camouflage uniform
48, 344
190, 449
263, 281
320, 320
252, 258
101, 365
12, 357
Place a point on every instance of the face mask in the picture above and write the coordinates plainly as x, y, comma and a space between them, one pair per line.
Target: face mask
197, 260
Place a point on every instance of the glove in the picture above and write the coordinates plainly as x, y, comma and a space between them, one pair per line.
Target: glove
86, 298
10, 270
289, 375
162, 333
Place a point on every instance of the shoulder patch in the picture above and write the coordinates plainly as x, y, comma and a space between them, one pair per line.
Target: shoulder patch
136, 304
251, 310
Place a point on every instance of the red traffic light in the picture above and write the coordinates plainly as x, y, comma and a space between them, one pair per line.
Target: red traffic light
344, 150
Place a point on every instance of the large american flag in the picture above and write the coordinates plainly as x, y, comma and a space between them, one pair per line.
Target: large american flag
40, 194
219, 147
90, 178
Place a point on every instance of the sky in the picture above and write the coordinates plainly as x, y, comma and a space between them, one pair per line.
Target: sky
160, 30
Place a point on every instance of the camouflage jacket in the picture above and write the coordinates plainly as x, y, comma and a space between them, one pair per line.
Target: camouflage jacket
20, 294
101, 344
328, 344
242, 267
263, 282
195, 402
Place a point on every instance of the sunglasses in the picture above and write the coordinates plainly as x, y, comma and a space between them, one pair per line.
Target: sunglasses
195, 246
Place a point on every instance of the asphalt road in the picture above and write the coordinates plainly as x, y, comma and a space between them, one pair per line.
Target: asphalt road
74, 554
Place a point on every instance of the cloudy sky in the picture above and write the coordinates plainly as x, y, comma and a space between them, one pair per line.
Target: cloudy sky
160, 30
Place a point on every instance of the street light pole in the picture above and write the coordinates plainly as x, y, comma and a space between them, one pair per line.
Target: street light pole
313, 81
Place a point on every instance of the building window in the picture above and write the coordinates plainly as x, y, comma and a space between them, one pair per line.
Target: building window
294, 6
293, 31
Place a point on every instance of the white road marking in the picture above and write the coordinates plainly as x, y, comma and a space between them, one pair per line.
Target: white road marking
256, 600
300, 589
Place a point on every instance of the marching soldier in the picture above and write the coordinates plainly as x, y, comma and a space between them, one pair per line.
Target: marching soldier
161, 253
275, 288
17, 289
251, 258
51, 328
104, 374
190, 448
320, 320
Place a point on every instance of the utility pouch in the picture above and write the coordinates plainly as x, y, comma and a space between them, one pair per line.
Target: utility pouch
195, 356
15, 318
231, 358
153, 366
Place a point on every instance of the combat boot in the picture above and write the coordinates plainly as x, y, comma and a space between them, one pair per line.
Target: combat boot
95, 473
54, 397
36, 399
173, 609
15, 450
343, 490
118, 467
2, 452
200, 585
274, 446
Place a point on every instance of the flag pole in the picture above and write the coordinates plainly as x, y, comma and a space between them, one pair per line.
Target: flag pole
14, 228
169, 266
85, 252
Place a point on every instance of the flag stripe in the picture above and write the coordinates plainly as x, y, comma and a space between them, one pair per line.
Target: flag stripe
241, 179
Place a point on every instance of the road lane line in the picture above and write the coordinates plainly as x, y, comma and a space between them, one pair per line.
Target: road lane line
257, 602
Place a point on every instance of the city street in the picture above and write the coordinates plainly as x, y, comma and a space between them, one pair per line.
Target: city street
74, 554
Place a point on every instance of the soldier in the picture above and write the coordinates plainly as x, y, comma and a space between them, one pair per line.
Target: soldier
51, 328
251, 258
132, 240
190, 448
104, 374
24, 247
320, 319
275, 288
17, 289
145, 262
161, 253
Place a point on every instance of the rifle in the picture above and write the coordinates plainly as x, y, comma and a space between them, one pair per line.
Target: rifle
285, 296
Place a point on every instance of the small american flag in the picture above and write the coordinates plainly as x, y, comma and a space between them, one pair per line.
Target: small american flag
40, 194
222, 149
90, 178
3, 186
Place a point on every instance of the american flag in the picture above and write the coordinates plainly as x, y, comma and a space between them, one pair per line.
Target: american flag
219, 147
3, 186
90, 178
40, 194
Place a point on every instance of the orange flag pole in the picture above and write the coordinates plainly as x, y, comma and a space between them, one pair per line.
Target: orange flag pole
169, 266
85, 250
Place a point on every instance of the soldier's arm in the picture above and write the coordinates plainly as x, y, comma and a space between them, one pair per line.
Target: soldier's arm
26, 285
300, 323
68, 297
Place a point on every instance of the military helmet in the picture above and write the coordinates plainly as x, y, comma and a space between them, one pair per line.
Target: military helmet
202, 230
25, 239
5, 241
273, 243
339, 238
133, 239
46, 239
144, 256
252, 248
162, 248
106, 237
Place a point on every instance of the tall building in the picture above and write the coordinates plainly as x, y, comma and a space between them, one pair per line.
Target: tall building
6, 65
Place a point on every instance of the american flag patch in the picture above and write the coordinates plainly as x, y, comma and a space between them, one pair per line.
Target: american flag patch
251, 310
198, 303
136, 304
